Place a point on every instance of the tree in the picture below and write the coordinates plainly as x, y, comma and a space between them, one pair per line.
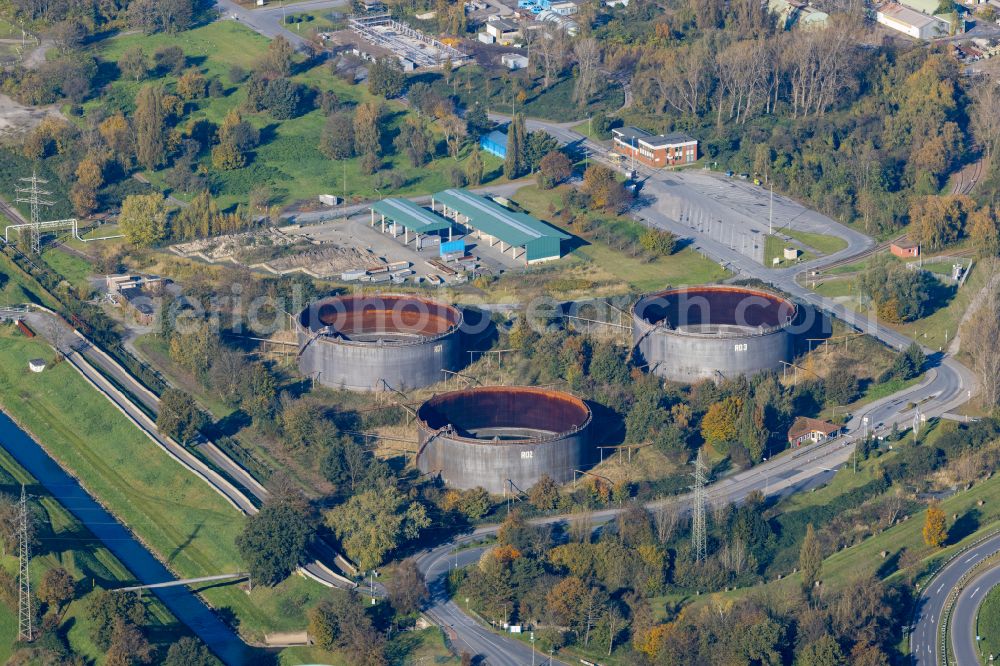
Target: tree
386, 78
191, 85
104, 608
474, 169
719, 424
189, 651
170, 59
823, 652
983, 118
515, 160
368, 129
337, 139
984, 232
225, 157
129, 646
810, 558
407, 589
373, 523
143, 219
150, 126
588, 59
940, 220
979, 339
133, 64
277, 61
544, 494
57, 588
553, 169
275, 542
660, 243
179, 416
455, 132
601, 183
935, 532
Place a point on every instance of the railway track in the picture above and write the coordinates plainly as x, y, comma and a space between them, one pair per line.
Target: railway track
966, 181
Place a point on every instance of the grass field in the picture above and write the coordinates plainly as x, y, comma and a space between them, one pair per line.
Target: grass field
289, 160
606, 262
774, 248
822, 243
74, 269
66, 542
177, 515
16, 287
988, 624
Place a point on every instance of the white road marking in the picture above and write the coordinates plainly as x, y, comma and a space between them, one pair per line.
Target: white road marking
939, 589
974, 593
974, 555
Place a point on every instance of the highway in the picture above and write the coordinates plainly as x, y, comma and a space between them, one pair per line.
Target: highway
926, 634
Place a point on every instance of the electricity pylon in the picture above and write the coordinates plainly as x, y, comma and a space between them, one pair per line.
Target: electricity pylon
699, 532
34, 195
24, 615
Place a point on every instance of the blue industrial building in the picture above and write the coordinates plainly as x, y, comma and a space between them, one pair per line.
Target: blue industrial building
494, 143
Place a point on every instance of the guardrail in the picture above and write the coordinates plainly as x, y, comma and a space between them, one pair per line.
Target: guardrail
952, 598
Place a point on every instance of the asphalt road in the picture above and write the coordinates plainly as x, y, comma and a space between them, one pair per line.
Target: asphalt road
268, 20
924, 639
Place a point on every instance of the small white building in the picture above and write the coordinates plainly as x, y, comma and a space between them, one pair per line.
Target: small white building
503, 31
36, 365
911, 22
565, 7
514, 61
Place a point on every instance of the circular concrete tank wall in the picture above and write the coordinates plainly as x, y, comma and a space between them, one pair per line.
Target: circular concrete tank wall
712, 332
492, 437
373, 343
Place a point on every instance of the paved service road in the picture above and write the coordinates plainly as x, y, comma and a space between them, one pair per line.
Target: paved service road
926, 635
268, 20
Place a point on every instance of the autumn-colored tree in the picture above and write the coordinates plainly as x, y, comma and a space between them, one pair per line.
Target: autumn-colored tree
191, 85
565, 599
143, 219
935, 532
117, 135
719, 424
940, 220
553, 169
278, 59
133, 63
367, 129
984, 231
544, 494
225, 157
57, 588
651, 641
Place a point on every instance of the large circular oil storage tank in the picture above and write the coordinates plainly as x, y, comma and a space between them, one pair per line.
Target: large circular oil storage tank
379, 342
503, 437
712, 332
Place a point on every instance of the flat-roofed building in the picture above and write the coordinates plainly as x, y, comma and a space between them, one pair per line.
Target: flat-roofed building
411, 218
911, 22
655, 150
486, 219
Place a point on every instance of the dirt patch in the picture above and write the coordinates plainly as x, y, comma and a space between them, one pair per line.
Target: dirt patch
16, 118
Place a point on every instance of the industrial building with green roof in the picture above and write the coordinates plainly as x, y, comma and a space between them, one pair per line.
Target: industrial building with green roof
539, 241
413, 218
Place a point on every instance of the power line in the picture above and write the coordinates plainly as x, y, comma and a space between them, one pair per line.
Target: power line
24, 629
699, 533
34, 195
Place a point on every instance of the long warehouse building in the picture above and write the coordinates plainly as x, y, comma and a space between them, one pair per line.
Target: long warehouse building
536, 240
412, 218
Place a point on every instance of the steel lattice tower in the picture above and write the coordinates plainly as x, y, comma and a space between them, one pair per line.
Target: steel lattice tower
33, 195
24, 615
699, 531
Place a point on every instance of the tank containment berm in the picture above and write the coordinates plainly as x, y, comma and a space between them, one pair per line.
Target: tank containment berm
378, 342
713, 332
503, 438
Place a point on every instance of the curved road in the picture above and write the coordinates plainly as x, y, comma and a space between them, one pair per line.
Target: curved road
924, 641
687, 203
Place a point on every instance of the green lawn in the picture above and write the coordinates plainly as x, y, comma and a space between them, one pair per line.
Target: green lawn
774, 247
66, 542
988, 624
289, 160
683, 267
176, 514
73, 268
16, 287
822, 243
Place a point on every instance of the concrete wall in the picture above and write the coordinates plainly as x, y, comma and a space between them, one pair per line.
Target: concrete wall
358, 366
690, 358
470, 464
